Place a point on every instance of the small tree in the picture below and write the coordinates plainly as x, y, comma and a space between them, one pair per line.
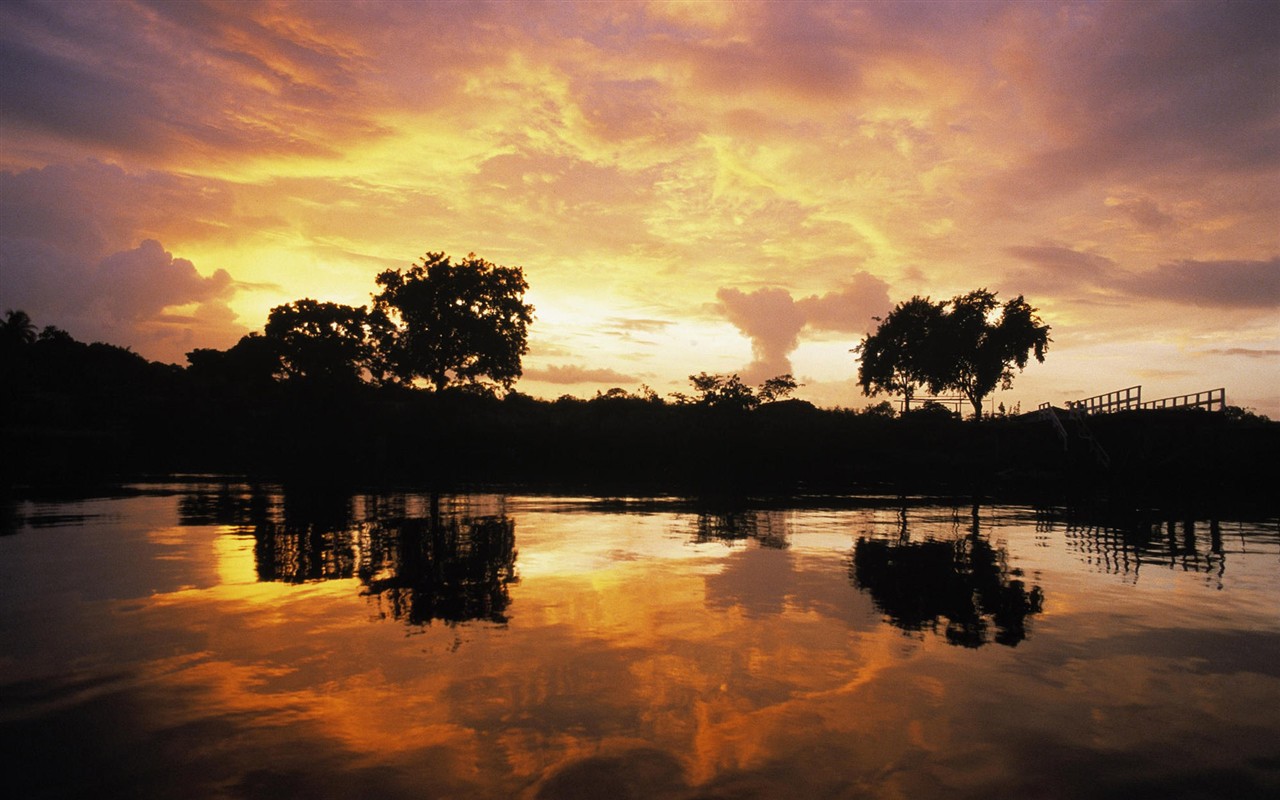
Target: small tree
17, 330
777, 388
723, 391
728, 391
450, 322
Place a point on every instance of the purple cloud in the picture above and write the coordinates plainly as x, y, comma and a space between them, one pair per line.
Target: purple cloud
1221, 284
773, 320
75, 252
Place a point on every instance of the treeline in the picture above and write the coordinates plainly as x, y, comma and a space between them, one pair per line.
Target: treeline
417, 387
84, 412
73, 409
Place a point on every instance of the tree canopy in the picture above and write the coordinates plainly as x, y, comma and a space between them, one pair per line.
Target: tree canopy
898, 358
728, 392
982, 348
454, 323
17, 329
969, 344
327, 342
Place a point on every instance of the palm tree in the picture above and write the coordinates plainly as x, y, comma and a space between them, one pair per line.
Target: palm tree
17, 329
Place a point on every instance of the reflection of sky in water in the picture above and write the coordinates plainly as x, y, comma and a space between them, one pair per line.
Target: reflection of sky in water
652, 648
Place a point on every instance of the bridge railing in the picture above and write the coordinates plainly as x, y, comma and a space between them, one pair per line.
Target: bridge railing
1110, 402
1212, 400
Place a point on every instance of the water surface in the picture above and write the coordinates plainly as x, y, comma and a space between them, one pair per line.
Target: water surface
223, 640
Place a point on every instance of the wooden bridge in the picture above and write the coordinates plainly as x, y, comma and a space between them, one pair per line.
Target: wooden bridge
1130, 399
1071, 427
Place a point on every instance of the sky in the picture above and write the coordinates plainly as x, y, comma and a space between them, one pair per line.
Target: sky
689, 186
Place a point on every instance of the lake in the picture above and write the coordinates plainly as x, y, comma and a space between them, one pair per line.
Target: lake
215, 639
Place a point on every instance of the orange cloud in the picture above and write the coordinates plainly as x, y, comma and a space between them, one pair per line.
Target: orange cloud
638, 158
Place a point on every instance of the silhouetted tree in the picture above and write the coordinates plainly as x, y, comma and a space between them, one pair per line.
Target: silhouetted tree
901, 355
17, 329
978, 350
729, 392
961, 345
461, 322
317, 341
882, 409
52, 333
252, 364
723, 391
777, 388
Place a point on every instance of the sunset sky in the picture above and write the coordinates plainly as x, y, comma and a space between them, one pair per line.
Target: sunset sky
689, 186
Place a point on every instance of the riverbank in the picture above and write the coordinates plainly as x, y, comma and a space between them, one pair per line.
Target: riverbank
632, 445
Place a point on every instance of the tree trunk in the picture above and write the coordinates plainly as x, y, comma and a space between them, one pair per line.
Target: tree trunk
977, 406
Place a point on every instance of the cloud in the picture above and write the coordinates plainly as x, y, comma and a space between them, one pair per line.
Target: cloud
160, 79
125, 298
1238, 284
1219, 284
572, 373
770, 318
1057, 268
1126, 88
77, 251
773, 320
138, 284
1163, 374
54, 95
91, 208
1244, 351
849, 309
636, 324
1144, 212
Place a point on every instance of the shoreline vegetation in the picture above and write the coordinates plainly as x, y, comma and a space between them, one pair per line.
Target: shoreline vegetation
80, 414
417, 390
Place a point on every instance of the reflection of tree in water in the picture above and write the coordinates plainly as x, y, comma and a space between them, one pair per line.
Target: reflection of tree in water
229, 504
966, 582
768, 528
454, 568
423, 561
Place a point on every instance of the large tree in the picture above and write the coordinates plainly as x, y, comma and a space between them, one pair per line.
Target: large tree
968, 344
979, 347
325, 342
900, 357
454, 323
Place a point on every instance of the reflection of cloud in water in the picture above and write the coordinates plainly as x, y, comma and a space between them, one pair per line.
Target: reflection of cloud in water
655, 666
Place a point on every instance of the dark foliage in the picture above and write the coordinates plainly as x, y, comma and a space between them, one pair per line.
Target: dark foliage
453, 323
964, 586
960, 345
75, 411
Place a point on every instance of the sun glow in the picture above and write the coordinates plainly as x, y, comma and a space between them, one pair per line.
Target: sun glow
647, 157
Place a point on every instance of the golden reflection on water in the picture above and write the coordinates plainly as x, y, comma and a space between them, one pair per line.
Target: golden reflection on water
673, 650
